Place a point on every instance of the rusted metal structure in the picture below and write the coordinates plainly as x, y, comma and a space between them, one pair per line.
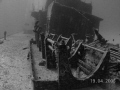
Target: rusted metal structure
75, 60
77, 4
65, 20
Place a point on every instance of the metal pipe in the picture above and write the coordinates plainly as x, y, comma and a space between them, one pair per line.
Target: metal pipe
93, 43
94, 48
51, 41
84, 70
88, 67
51, 48
64, 37
52, 34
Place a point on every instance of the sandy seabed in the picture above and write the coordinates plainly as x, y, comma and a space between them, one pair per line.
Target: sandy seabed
15, 69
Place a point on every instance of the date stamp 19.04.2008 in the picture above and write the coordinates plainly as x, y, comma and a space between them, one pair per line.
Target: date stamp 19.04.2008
102, 80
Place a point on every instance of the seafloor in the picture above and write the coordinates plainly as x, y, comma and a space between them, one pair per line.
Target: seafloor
15, 69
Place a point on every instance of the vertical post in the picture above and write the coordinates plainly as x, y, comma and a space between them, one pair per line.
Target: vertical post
40, 42
65, 74
43, 45
5, 33
39, 38
48, 54
48, 26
